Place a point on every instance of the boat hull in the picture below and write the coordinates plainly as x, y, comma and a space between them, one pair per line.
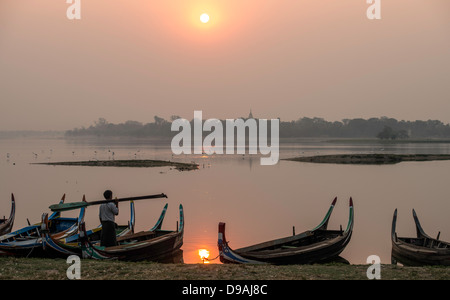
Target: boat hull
57, 248
316, 246
6, 225
28, 241
155, 245
321, 253
409, 255
157, 250
419, 251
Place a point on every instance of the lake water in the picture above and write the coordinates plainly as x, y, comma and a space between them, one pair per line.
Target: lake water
258, 203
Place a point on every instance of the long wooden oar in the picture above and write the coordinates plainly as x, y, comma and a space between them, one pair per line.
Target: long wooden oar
78, 205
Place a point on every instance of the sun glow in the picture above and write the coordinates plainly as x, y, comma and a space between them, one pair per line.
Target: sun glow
204, 18
204, 254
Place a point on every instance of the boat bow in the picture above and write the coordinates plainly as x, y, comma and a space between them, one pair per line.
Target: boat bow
8, 224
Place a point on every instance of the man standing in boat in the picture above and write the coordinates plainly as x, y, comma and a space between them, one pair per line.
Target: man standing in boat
107, 214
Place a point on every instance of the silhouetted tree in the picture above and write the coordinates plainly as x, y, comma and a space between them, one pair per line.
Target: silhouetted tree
387, 134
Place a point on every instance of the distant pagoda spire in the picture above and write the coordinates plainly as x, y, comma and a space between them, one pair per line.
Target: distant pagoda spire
250, 115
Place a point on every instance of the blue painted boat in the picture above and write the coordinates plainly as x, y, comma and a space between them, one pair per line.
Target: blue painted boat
63, 248
27, 242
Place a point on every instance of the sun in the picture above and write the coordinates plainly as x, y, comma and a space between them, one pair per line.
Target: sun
204, 254
204, 18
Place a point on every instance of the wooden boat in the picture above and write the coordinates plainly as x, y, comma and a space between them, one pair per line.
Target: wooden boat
63, 248
315, 246
6, 225
28, 241
153, 245
420, 250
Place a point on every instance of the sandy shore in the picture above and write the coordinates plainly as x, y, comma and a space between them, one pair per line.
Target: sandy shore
55, 269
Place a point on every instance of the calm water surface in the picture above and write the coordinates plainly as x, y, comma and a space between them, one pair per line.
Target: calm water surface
257, 202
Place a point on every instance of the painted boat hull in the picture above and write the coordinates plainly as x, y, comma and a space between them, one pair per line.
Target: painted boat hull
316, 246
155, 245
71, 246
157, 249
28, 242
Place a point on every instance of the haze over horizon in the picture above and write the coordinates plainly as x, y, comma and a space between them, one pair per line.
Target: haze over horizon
129, 60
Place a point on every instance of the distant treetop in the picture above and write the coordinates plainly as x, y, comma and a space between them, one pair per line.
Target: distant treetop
382, 128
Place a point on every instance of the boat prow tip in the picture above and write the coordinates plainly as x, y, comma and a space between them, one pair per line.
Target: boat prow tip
222, 241
334, 201
222, 229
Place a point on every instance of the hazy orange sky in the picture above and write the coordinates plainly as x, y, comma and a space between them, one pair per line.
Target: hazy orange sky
133, 59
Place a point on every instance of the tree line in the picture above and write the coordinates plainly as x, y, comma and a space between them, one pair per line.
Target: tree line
382, 128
